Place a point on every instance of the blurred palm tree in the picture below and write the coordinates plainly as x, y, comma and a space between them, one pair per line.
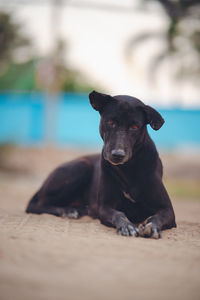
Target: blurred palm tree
181, 38
34, 73
11, 39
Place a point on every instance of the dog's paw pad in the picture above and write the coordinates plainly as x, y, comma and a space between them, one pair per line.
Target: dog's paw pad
149, 230
72, 213
128, 230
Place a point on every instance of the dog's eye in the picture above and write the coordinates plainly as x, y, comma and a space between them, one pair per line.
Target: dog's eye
110, 122
134, 127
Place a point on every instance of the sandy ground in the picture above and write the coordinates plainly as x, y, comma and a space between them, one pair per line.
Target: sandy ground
46, 257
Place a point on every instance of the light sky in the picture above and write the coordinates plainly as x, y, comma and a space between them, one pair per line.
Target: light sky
96, 42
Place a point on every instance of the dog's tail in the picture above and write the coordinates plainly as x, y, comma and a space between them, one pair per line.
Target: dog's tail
31, 204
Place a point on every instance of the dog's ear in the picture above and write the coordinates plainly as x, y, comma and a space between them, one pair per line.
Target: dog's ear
99, 100
153, 117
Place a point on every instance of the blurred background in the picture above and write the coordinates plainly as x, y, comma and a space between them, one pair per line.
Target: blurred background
54, 52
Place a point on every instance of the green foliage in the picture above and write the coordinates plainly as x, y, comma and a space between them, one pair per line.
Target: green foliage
24, 76
19, 77
10, 37
74, 82
182, 188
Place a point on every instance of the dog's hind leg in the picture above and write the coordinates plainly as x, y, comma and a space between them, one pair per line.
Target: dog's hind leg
70, 212
63, 192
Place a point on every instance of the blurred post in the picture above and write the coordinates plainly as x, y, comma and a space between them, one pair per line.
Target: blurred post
49, 74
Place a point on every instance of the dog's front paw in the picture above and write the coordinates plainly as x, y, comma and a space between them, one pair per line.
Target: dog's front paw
127, 229
149, 230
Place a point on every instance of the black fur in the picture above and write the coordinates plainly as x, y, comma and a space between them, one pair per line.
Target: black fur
122, 186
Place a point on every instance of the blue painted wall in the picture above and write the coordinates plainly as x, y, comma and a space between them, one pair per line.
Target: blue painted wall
23, 118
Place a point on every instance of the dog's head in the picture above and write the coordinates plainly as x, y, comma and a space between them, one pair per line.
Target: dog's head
123, 124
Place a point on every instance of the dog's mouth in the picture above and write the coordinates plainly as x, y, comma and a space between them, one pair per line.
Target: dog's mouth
116, 161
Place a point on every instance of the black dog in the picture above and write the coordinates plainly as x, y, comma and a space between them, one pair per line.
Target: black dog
122, 186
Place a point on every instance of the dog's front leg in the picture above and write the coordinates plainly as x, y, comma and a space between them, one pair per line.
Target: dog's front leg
153, 225
108, 197
157, 198
117, 219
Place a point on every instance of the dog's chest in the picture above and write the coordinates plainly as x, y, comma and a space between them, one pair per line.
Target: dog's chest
127, 185
128, 196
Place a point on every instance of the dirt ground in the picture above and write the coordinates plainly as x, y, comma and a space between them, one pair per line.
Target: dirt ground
46, 257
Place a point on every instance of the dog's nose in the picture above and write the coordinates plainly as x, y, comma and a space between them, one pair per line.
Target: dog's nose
117, 155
